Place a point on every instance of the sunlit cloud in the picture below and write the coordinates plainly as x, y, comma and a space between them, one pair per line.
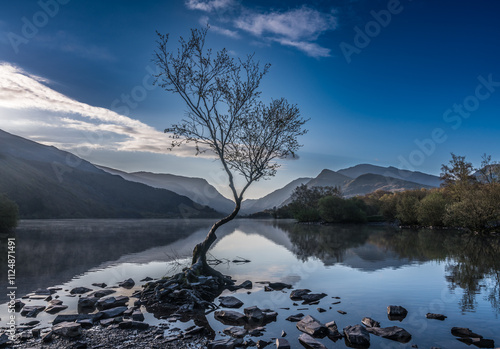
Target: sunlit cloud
72, 124
208, 5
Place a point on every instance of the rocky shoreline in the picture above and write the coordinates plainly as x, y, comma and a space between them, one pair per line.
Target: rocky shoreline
105, 319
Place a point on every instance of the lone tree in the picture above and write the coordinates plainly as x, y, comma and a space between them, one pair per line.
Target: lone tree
226, 117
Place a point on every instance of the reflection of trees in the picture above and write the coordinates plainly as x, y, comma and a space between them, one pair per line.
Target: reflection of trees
328, 242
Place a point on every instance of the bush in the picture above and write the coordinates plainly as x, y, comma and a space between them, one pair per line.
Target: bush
432, 209
9, 213
337, 210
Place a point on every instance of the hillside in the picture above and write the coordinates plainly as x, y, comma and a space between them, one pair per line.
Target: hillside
49, 183
368, 183
197, 189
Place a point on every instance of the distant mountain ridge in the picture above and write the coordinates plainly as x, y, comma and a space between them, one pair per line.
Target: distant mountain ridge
197, 189
47, 182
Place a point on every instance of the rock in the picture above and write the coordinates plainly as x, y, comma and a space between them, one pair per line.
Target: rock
32, 310
113, 312
47, 337
137, 315
80, 345
295, 318
333, 330
86, 323
268, 289
101, 293
230, 302
68, 329
87, 302
282, 343
102, 284
262, 344
254, 314
235, 332
18, 305
111, 302
321, 310
312, 327
136, 325
129, 283
43, 292
394, 332
478, 342
464, 332
75, 317
369, 322
34, 332
55, 308
246, 285
256, 332
80, 290
396, 312
230, 317
283, 333
278, 286
435, 316
110, 321
341, 312
309, 342
225, 343
146, 279
4, 340
312, 297
194, 330
357, 336
296, 295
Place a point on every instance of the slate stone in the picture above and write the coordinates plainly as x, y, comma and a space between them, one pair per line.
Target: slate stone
111, 302
464, 332
278, 286
80, 290
295, 318
225, 343
230, 302
369, 322
230, 317
296, 295
357, 336
129, 283
113, 312
235, 332
68, 329
312, 297
435, 316
312, 327
309, 342
394, 332
282, 343
137, 325
396, 312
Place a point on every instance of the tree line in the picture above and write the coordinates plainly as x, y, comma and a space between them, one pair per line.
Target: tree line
468, 198
9, 213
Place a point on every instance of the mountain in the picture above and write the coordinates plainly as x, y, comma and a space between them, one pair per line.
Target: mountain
368, 183
411, 176
329, 178
276, 198
197, 189
49, 183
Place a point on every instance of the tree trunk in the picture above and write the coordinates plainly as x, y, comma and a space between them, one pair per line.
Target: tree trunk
199, 263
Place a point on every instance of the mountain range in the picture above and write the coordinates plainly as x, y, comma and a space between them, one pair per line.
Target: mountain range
50, 183
47, 182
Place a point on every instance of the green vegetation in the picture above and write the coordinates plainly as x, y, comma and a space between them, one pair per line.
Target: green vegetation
9, 213
468, 198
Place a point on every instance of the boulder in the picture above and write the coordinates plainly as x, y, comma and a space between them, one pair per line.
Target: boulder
113, 312
43, 292
230, 317
278, 286
235, 332
435, 316
80, 290
282, 343
296, 295
68, 329
369, 322
55, 308
312, 327
357, 336
111, 302
312, 297
137, 315
396, 312
129, 283
269, 316
309, 342
230, 302
32, 310
478, 342
254, 314
101, 293
394, 332
256, 332
18, 305
75, 317
262, 344
225, 343
102, 284
333, 330
4, 340
87, 302
464, 332
295, 318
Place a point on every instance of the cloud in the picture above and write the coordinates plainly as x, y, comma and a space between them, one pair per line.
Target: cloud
311, 49
226, 32
65, 121
208, 5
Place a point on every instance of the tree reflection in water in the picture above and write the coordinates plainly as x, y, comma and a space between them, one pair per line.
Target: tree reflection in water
472, 261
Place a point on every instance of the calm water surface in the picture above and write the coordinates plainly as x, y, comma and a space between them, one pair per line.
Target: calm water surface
368, 267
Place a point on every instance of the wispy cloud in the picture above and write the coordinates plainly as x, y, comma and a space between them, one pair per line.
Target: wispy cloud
58, 116
208, 5
299, 28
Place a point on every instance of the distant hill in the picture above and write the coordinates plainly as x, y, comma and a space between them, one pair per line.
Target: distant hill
411, 176
49, 183
329, 178
276, 198
368, 183
197, 189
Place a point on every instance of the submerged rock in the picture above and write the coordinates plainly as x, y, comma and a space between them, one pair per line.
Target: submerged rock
435, 316
230, 317
312, 327
396, 312
478, 342
295, 318
464, 332
225, 343
357, 336
309, 342
296, 295
394, 332
235, 332
230, 302
278, 286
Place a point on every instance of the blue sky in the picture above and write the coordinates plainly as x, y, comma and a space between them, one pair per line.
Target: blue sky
392, 83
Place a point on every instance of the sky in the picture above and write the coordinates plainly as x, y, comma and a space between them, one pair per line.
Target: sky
385, 82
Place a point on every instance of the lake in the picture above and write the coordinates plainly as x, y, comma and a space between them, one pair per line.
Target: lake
368, 267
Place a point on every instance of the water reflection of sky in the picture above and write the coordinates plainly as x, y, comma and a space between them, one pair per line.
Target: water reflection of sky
368, 268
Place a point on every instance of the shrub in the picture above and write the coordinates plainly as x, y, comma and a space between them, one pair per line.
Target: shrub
432, 209
9, 213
